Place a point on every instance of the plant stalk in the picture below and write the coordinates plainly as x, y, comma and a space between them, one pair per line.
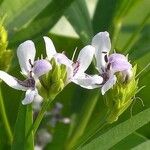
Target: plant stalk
5, 119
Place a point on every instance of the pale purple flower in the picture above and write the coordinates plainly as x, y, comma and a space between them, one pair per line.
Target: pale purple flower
75, 70
108, 65
31, 69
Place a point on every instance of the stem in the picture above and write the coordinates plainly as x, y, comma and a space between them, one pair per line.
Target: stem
5, 119
97, 129
133, 38
39, 118
82, 124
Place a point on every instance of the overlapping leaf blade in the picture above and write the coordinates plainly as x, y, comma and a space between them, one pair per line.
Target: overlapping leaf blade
119, 132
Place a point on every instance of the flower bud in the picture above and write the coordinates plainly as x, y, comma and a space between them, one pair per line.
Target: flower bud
5, 55
3, 38
121, 96
54, 81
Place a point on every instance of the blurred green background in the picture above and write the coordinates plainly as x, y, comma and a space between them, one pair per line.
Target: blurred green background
71, 24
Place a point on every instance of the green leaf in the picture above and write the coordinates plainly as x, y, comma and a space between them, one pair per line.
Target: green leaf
22, 126
129, 142
78, 15
104, 14
119, 132
43, 22
22, 12
144, 145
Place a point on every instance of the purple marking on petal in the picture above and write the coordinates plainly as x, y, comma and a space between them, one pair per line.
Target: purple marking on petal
75, 67
119, 63
41, 67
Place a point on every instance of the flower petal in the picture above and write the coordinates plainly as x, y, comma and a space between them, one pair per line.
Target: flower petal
29, 97
37, 102
50, 48
119, 63
41, 67
109, 84
26, 54
11, 81
102, 44
85, 58
88, 81
62, 59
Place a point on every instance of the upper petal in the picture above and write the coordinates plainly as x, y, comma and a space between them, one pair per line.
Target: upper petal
50, 48
11, 81
119, 63
29, 97
109, 84
41, 67
62, 59
102, 44
85, 58
26, 54
88, 81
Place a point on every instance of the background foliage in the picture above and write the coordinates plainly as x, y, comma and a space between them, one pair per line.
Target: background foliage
71, 24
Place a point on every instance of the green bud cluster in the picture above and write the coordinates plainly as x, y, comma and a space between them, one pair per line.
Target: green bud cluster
54, 81
121, 96
5, 55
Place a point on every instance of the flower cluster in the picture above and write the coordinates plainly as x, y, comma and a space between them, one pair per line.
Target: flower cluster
45, 77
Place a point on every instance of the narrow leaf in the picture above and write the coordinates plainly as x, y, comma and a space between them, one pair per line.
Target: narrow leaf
43, 22
78, 15
23, 123
144, 145
21, 12
119, 132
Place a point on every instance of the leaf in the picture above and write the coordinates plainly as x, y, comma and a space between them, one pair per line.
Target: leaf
144, 145
129, 142
43, 22
22, 126
78, 15
104, 14
119, 132
22, 12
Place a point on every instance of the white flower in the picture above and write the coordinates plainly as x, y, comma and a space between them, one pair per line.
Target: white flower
76, 70
108, 65
83, 61
29, 68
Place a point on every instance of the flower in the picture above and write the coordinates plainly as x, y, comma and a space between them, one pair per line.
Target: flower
83, 61
109, 65
75, 70
29, 68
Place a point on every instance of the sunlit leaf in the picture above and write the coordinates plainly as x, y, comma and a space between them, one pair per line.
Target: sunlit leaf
78, 16
119, 132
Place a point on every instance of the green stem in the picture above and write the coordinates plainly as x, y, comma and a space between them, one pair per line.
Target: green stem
91, 134
134, 36
82, 124
41, 114
5, 119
